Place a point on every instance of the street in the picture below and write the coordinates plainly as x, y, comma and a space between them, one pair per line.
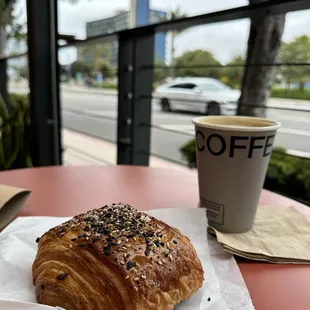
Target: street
96, 115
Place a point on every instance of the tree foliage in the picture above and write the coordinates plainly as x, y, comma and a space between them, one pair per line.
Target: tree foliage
296, 51
192, 63
161, 73
105, 69
6, 12
232, 76
94, 54
21, 71
80, 67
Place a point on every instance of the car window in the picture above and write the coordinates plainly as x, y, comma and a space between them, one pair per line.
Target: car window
213, 87
183, 85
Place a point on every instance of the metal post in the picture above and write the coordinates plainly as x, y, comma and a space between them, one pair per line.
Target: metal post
4, 80
44, 82
134, 97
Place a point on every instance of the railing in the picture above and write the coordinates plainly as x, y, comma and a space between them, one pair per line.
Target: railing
135, 77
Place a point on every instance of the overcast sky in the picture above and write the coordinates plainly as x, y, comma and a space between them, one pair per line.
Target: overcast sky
224, 40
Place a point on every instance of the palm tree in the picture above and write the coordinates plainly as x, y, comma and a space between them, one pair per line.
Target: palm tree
173, 15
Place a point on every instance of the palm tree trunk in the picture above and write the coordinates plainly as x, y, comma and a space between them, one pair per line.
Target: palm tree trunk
263, 47
172, 69
2, 41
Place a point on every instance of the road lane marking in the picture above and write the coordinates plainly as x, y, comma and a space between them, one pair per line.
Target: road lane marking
174, 117
285, 106
190, 129
297, 132
187, 129
294, 119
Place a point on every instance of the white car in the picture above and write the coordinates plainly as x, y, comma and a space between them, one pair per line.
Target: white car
203, 95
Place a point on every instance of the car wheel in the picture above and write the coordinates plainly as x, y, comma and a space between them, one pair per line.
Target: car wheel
165, 104
213, 108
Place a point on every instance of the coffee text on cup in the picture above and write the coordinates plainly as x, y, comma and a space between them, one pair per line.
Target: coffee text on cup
235, 143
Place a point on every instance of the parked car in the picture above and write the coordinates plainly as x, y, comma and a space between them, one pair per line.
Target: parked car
204, 95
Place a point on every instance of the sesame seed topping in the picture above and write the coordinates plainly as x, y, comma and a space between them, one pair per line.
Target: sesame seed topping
127, 277
130, 265
136, 279
118, 229
143, 277
106, 251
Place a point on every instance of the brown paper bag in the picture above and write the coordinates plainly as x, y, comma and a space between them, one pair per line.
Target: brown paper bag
12, 200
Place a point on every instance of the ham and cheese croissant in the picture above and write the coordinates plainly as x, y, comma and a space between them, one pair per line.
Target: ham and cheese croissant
115, 258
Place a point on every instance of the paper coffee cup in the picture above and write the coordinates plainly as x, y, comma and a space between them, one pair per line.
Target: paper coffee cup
233, 153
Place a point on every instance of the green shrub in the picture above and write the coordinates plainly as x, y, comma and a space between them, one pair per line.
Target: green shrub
188, 151
290, 93
109, 86
287, 175
15, 133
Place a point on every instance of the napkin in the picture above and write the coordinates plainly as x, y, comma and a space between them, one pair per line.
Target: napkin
279, 235
12, 200
15, 305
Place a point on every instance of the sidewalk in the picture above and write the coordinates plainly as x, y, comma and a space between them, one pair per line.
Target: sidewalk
87, 90
82, 150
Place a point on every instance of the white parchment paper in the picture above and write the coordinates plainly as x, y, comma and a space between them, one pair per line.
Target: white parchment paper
223, 288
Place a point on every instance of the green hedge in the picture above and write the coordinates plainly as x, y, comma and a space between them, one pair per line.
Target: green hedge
109, 86
287, 175
290, 93
15, 133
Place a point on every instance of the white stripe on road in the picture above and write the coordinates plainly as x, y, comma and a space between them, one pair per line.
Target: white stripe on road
180, 128
177, 117
297, 132
190, 129
293, 119
286, 106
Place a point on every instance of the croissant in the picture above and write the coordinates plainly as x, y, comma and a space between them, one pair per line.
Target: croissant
115, 258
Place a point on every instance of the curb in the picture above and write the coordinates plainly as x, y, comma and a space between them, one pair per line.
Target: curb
299, 154
89, 92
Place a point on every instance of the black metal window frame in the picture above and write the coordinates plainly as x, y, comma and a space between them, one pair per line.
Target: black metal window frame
135, 75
